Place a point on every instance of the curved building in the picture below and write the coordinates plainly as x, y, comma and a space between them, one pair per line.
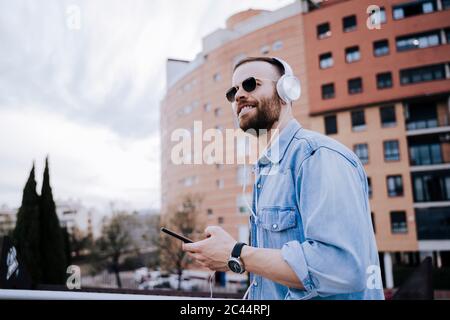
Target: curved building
376, 78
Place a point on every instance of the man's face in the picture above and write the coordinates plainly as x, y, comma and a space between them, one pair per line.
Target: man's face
261, 108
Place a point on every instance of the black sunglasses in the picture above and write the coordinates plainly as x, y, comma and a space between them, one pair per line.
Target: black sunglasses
248, 85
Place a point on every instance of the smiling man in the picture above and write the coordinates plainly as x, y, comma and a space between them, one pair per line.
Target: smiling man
311, 231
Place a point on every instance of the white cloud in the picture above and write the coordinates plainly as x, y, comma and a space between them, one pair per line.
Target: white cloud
90, 163
90, 97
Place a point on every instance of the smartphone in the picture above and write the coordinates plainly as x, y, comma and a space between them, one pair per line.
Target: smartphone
176, 235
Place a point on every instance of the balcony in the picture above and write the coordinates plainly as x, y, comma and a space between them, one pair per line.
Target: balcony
429, 152
431, 189
427, 117
433, 223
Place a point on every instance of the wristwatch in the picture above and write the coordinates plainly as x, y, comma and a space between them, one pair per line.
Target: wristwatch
234, 262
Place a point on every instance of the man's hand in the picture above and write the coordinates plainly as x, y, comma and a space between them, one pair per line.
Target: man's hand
214, 251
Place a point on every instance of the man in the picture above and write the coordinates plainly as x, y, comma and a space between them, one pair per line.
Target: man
311, 230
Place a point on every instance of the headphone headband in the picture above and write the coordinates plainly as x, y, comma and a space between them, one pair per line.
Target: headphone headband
287, 68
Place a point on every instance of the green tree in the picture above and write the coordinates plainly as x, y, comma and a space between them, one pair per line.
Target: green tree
115, 240
79, 242
53, 255
26, 234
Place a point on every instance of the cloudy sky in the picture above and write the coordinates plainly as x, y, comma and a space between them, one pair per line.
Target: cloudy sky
81, 81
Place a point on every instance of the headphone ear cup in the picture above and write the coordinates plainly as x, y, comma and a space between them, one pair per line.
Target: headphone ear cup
289, 88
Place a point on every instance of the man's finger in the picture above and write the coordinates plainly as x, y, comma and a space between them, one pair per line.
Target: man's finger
192, 247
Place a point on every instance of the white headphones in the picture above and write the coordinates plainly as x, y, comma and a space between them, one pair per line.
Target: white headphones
288, 86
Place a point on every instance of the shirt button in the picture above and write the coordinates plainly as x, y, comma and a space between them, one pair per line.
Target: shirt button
259, 186
255, 284
274, 226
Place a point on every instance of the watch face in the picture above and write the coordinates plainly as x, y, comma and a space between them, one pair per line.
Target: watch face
234, 266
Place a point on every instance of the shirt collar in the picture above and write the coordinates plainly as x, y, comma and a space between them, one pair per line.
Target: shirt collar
280, 144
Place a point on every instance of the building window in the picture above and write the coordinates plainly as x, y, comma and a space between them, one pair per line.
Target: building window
265, 49
220, 220
217, 77
419, 40
422, 74
220, 183
381, 48
323, 30
358, 120
387, 115
355, 85
349, 23
431, 186
362, 151
207, 107
384, 80
425, 153
421, 115
447, 35
209, 212
218, 112
391, 150
433, 223
326, 60
189, 181
394, 186
369, 184
445, 4
413, 8
398, 222
330, 124
352, 54
378, 17
328, 91
277, 45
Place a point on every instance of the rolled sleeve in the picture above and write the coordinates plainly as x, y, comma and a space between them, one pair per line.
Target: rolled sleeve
292, 253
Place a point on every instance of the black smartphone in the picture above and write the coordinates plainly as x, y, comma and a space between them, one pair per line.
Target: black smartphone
176, 235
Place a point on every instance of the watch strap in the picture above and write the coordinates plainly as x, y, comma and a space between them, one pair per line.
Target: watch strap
236, 252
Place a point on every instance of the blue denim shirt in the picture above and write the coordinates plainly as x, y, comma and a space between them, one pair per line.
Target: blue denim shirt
311, 201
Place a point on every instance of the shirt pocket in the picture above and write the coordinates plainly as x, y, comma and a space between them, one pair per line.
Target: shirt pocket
277, 225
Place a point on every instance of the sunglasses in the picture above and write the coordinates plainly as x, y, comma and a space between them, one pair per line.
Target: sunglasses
248, 85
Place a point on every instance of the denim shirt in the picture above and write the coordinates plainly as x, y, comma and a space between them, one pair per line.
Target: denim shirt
310, 199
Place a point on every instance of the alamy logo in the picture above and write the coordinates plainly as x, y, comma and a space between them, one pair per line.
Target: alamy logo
11, 263
374, 19
74, 280
229, 146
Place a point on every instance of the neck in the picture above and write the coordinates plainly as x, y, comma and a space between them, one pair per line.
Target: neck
267, 138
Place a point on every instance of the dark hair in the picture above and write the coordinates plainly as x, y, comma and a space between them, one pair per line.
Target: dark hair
272, 61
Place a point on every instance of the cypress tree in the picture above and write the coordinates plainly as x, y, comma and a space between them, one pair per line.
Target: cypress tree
52, 241
26, 234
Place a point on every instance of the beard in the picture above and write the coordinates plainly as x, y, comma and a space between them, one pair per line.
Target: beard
267, 112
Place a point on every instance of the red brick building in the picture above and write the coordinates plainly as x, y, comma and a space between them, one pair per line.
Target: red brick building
384, 92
